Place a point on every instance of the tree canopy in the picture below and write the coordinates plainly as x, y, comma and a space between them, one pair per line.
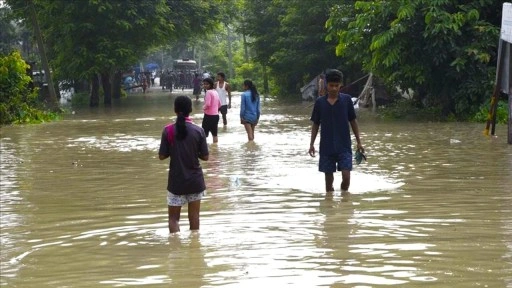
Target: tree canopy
90, 38
289, 37
8, 36
18, 98
444, 50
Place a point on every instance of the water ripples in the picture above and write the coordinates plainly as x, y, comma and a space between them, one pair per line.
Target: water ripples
84, 206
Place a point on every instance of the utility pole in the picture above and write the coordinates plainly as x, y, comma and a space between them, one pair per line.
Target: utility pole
506, 57
510, 119
503, 72
44, 61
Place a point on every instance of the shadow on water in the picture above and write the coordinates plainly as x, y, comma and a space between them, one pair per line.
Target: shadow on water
82, 204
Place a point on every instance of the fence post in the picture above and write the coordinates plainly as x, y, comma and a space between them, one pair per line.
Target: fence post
510, 119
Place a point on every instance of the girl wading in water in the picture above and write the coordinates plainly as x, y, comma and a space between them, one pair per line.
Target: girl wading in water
249, 108
185, 143
211, 109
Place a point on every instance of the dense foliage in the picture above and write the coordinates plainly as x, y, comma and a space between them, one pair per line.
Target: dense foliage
444, 50
288, 36
501, 112
8, 36
18, 101
96, 40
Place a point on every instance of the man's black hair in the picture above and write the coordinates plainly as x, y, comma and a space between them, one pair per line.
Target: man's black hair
334, 75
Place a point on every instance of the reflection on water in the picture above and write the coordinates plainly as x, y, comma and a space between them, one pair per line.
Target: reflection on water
82, 204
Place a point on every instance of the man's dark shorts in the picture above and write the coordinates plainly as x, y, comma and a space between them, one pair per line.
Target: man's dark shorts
339, 162
223, 109
210, 123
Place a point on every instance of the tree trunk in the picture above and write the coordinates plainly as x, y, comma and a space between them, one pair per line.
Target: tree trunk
246, 49
419, 96
57, 90
107, 88
81, 86
230, 54
52, 98
265, 80
95, 92
116, 86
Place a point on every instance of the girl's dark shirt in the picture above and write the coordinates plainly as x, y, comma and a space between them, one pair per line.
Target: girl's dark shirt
185, 172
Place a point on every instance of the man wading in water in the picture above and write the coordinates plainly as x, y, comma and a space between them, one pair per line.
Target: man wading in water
224, 91
334, 113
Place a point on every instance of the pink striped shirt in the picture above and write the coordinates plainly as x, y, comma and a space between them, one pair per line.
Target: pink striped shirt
211, 102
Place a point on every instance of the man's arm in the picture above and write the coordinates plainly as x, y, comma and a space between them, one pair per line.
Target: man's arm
314, 132
355, 129
162, 157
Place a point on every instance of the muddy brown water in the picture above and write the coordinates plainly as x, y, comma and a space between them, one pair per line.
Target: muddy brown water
83, 205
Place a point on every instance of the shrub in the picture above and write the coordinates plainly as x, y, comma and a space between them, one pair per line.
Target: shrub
501, 112
18, 100
409, 110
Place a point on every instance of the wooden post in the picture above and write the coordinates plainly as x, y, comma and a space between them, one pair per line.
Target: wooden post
372, 91
510, 119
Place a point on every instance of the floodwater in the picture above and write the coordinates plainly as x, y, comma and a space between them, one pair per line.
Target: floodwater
82, 204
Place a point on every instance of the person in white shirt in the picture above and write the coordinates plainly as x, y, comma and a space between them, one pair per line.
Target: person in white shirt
224, 91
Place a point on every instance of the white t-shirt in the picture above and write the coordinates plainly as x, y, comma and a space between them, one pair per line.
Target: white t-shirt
223, 93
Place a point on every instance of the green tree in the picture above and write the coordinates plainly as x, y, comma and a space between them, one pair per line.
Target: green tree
289, 37
8, 35
18, 101
118, 35
96, 40
443, 50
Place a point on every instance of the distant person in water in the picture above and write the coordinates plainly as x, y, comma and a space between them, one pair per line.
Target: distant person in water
185, 143
196, 83
335, 113
211, 109
224, 91
249, 108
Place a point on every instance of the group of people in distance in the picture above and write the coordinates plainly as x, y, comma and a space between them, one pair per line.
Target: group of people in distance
185, 143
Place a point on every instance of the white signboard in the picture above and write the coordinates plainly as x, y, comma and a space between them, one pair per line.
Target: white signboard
506, 23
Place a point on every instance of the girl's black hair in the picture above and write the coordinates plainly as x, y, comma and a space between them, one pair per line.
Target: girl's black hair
254, 92
182, 107
209, 81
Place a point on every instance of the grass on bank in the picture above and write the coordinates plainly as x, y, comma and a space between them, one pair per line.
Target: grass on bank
407, 110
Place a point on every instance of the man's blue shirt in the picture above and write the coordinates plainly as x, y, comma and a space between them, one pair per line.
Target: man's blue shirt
334, 124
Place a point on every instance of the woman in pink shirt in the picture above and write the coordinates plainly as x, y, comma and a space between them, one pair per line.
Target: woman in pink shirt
211, 109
